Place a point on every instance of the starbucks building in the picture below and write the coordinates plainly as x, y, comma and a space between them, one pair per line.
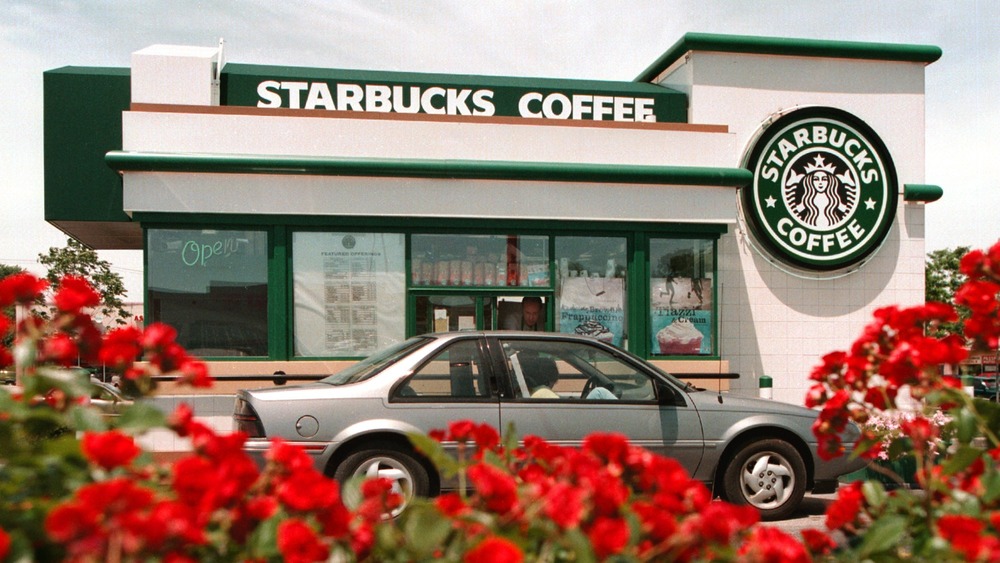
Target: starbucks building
736, 211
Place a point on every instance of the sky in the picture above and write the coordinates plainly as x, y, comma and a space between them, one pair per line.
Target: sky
586, 39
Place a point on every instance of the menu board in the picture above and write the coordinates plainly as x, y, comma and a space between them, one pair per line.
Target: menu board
349, 290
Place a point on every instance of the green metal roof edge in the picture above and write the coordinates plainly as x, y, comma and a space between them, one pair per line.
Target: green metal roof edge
790, 46
922, 192
126, 161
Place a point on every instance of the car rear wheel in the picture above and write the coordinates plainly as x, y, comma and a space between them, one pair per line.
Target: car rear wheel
768, 475
408, 476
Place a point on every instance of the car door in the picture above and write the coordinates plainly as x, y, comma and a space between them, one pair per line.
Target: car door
456, 383
594, 389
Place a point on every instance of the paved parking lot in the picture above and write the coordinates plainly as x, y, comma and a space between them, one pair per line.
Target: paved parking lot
812, 514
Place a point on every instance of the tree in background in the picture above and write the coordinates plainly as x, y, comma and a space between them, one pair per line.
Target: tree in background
75, 259
942, 279
6, 270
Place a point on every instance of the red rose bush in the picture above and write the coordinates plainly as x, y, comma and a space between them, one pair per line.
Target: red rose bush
75, 486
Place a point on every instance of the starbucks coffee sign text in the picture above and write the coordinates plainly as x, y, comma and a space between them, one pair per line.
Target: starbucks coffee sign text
440, 100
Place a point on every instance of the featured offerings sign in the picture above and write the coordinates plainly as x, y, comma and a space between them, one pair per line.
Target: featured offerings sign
824, 193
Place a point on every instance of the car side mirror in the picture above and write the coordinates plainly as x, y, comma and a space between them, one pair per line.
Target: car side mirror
667, 395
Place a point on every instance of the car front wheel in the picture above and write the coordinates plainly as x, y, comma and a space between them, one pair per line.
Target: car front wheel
408, 476
768, 475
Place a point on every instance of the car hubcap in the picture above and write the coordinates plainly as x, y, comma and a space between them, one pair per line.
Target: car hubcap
768, 480
391, 469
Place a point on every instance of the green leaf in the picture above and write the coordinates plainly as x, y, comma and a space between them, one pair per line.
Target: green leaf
991, 484
884, 534
73, 381
961, 459
446, 464
874, 493
263, 542
968, 426
425, 529
580, 544
86, 418
140, 417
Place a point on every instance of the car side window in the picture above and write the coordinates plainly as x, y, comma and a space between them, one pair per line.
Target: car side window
573, 371
454, 373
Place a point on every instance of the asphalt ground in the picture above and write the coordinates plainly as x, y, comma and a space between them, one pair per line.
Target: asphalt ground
811, 514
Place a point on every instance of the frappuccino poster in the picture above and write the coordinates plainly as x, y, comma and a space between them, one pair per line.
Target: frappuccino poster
593, 307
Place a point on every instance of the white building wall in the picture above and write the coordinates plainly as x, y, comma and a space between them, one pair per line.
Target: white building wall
777, 323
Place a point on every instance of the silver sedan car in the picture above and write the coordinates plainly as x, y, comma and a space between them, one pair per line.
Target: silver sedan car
560, 387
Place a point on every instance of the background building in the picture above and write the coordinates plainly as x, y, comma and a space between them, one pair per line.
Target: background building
740, 207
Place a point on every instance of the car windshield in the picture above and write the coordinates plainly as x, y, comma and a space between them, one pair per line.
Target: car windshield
376, 362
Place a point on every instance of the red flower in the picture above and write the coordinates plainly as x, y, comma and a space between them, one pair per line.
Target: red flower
109, 449
21, 288
158, 336
4, 544
75, 293
608, 536
964, 533
609, 446
494, 550
497, 489
289, 456
485, 436
308, 490
195, 374
194, 477
336, 521
121, 347
450, 504
921, 431
563, 504
767, 544
298, 543
461, 430
846, 508
261, 508
818, 542
609, 493
69, 521
60, 349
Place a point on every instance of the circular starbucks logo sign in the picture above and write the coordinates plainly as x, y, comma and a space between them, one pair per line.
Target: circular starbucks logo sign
824, 191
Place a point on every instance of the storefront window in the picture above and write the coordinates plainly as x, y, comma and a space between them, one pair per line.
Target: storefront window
211, 285
681, 284
479, 261
590, 295
349, 292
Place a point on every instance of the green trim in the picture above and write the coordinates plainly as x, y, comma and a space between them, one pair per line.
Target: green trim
82, 118
426, 225
280, 302
744, 44
922, 192
638, 295
422, 168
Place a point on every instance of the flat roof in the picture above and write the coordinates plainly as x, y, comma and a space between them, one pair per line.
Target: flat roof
787, 46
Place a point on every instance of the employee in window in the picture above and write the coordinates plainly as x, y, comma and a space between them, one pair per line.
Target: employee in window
530, 317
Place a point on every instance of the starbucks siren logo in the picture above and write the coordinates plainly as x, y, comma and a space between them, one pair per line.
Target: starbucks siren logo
824, 192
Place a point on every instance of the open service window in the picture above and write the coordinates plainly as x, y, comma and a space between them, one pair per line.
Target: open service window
210, 285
